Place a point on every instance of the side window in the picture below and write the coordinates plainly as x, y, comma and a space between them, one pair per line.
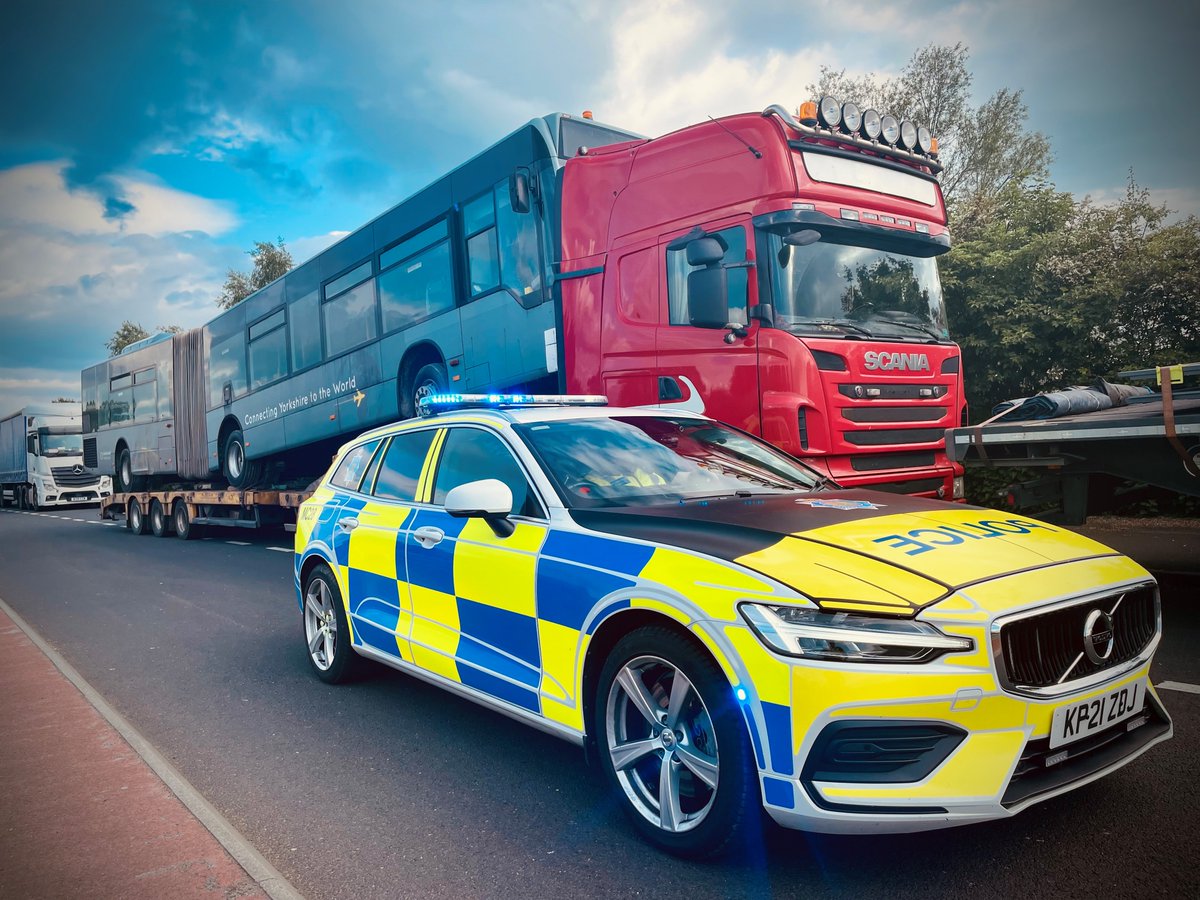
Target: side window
520, 261
304, 326
483, 258
401, 467
350, 471
349, 311
415, 281
120, 400
268, 349
734, 240
471, 454
145, 396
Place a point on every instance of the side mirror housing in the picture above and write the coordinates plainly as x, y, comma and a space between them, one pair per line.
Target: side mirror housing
708, 298
518, 191
479, 499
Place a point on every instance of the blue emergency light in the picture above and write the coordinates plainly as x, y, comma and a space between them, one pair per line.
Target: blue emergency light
432, 404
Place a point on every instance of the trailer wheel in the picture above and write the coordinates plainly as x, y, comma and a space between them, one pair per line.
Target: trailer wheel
182, 521
135, 519
159, 524
239, 471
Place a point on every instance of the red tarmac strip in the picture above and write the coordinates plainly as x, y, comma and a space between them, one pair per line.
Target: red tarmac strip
81, 813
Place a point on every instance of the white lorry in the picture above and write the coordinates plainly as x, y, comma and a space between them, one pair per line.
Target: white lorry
41, 459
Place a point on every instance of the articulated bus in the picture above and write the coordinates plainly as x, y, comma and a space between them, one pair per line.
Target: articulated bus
775, 272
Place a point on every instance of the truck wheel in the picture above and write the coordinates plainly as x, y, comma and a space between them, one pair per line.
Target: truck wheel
31, 498
159, 525
326, 633
673, 744
135, 518
239, 471
182, 521
429, 379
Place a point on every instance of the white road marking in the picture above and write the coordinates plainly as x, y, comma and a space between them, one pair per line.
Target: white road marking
282, 549
1179, 686
239, 543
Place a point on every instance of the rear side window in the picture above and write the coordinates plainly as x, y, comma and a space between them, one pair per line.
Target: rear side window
401, 467
350, 472
471, 454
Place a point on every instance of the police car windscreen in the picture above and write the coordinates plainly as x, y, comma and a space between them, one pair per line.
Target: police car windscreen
645, 460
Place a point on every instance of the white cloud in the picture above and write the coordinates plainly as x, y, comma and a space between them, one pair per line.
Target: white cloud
20, 387
36, 194
305, 248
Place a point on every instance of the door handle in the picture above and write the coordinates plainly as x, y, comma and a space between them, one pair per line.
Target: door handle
348, 524
428, 536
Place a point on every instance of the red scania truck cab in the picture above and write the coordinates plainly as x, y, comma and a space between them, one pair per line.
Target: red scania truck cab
777, 272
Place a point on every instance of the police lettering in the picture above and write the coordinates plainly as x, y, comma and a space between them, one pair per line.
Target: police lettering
922, 540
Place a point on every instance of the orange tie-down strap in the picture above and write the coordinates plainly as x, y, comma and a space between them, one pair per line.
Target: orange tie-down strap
1189, 465
977, 435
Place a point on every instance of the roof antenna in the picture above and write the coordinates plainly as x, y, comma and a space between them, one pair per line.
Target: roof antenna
757, 153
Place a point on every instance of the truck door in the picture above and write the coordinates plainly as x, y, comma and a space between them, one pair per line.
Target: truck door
698, 368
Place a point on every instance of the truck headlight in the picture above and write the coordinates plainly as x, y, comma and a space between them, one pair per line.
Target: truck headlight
843, 637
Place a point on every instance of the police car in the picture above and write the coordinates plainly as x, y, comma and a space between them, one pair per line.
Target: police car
721, 628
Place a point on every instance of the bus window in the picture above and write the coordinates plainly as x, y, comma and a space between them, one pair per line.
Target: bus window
268, 350
520, 262
479, 226
304, 324
145, 396
120, 401
349, 312
734, 240
227, 356
417, 287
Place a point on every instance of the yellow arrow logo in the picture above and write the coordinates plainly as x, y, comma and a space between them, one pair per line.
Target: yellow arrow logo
359, 396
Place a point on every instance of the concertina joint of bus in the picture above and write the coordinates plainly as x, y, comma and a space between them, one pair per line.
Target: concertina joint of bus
774, 271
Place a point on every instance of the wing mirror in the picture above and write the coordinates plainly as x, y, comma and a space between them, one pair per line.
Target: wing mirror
489, 499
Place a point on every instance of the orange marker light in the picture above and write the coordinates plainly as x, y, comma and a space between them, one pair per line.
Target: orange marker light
933, 145
807, 113
587, 113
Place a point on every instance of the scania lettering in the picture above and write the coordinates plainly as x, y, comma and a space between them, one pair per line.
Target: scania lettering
772, 270
41, 462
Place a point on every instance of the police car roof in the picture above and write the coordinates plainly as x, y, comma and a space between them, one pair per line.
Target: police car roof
523, 415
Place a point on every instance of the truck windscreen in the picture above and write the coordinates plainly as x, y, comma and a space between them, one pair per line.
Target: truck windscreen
59, 444
830, 287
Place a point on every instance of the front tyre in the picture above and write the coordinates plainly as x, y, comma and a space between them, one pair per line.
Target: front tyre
428, 380
673, 744
326, 633
239, 471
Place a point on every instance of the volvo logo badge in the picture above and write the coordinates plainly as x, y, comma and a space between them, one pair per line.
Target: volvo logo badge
1098, 636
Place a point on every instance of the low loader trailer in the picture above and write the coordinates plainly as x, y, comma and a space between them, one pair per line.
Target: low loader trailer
183, 510
1093, 458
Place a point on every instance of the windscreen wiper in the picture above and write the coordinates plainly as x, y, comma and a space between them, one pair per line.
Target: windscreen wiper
929, 331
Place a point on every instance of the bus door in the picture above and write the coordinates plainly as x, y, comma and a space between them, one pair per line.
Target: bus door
703, 366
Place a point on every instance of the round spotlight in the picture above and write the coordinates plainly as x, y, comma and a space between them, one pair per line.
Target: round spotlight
889, 130
851, 117
908, 135
829, 111
924, 139
871, 125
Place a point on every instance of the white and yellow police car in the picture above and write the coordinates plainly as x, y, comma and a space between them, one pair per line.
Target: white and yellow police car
724, 630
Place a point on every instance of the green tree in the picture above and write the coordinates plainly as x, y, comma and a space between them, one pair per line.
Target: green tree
271, 261
132, 332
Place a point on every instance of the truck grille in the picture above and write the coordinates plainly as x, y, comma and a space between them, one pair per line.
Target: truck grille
1047, 650
74, 476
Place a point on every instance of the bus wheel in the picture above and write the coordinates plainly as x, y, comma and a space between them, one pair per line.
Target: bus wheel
429, 379
238, 471
126, 480
135, 520
159, 526
182, 521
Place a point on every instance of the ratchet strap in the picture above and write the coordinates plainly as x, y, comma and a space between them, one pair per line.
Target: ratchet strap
1164, 379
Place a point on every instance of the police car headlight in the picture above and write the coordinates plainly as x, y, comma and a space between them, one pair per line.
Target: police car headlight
842, 637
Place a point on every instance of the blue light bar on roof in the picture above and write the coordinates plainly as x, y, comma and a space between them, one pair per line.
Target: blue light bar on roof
434, 403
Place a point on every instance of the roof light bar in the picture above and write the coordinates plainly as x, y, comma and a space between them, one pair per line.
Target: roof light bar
432, 404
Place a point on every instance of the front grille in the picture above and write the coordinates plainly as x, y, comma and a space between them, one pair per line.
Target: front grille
66, 476
894, 413
913, 486
879, 461
892, 391
894, 436
1046, 650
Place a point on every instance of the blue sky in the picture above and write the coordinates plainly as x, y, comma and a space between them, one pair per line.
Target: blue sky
144, 146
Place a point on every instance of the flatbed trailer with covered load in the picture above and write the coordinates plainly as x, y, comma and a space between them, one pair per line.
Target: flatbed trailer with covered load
180, 511
1152, 440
